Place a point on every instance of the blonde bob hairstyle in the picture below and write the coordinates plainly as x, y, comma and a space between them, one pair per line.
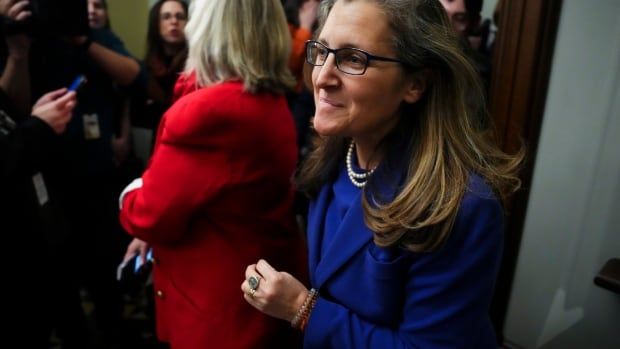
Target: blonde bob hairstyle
246, 40
442, 139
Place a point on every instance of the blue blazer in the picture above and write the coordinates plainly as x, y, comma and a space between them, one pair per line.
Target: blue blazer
381, 298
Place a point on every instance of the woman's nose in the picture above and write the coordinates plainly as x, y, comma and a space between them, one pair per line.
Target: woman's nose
327, 74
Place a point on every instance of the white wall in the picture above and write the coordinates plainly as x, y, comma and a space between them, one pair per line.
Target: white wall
572, 225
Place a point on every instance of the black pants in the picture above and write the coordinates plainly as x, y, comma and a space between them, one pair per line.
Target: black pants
97, 245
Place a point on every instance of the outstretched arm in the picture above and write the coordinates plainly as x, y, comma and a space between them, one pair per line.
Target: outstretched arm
121, 69
117, 64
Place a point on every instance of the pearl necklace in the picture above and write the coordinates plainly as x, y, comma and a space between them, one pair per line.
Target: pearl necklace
358, 179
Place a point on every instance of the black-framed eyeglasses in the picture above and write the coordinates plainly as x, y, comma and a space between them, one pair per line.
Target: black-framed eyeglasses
178, 16
349, 60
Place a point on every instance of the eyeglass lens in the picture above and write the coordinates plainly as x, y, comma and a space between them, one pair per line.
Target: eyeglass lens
348, 60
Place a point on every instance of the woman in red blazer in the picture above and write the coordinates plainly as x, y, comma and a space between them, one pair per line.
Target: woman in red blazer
217, 194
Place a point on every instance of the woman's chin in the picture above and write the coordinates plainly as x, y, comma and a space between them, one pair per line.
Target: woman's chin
325, 129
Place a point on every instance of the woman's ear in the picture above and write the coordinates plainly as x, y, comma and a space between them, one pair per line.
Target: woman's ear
416, 86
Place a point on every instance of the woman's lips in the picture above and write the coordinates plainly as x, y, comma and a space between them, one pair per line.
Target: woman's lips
331, 102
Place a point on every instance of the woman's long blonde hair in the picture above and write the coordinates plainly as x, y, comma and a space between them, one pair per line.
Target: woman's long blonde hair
245, 40
445, 135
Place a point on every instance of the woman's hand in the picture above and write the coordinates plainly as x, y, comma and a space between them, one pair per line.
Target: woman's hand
278, 294
18, 44
136, 247
16, 10
56, 109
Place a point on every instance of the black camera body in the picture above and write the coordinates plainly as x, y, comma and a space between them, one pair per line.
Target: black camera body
51, 18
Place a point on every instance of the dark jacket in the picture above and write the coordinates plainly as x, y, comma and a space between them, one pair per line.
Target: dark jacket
31, 229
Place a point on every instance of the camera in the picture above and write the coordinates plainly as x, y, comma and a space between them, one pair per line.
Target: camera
51, 18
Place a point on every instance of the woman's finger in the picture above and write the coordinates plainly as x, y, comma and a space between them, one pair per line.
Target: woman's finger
265, 269
248, 292
15, 10
22, 16
251, 300
64, 101
250, 271
69, 107
143, 255
50, 96
129, 254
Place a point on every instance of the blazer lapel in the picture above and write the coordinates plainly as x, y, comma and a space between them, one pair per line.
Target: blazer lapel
351, 237
316, 222
353, 234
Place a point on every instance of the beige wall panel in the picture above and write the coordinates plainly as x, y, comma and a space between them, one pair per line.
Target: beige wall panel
129, 21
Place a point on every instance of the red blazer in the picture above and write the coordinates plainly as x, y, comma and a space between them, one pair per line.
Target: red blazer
216, 197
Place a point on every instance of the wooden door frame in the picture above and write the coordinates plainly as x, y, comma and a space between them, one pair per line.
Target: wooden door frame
520, 76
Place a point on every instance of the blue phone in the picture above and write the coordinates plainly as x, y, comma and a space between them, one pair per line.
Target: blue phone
77, 83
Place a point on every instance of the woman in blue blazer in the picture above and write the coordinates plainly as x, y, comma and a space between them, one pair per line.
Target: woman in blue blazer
405, 227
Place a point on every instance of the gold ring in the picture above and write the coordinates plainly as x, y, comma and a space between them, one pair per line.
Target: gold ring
252, 291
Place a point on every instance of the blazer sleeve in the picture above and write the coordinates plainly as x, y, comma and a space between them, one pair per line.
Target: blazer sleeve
446, 298
184, 173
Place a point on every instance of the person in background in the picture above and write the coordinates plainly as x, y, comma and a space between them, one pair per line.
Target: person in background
30, 216
166, 53
406, 221
105, 48
217, 193
464, 16
109, 67
95, 147
488, 40
301, 18
87, 160
29, 212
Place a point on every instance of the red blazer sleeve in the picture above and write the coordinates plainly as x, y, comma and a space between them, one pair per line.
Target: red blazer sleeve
188, 168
